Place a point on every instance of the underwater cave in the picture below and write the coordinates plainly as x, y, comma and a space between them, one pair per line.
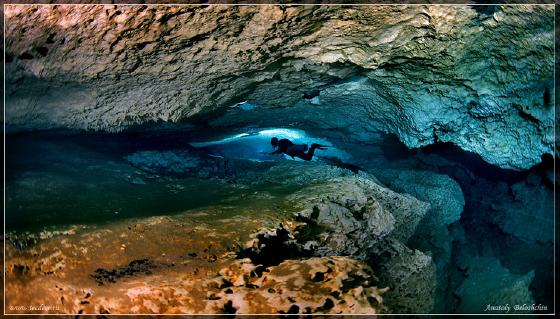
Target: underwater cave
279, 159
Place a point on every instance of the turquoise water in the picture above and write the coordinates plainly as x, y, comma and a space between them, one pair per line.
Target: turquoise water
67, 180
255, 145
55, 180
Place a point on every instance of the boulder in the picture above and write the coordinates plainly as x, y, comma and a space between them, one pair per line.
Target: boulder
432, 236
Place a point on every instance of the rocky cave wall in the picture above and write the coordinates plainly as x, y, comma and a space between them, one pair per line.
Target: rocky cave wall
480, 77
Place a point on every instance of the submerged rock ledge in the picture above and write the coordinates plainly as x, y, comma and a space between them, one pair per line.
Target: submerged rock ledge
220, 262
284, 237
482, 79
131, 266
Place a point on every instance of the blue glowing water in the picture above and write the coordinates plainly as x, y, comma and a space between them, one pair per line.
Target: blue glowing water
255, 145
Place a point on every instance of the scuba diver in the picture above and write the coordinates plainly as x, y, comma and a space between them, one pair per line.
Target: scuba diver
294, 150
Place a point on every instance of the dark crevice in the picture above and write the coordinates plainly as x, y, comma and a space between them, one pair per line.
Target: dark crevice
293, 309
50, 38
25, 56
329, 304
547, 97
167, 17
141, 45
273, 248
311, 229
394, 149
483, 9
104, 276
526, 116
42, 51
228, 307
311, 94
318, 276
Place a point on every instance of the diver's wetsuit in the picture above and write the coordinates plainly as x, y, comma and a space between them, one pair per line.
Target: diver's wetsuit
287, 147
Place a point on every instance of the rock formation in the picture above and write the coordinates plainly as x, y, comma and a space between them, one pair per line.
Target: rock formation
230, 260
129, 267
480, 77
353, 215
431, 236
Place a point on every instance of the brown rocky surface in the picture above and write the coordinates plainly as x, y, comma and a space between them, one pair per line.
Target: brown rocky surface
260, 255
170, 265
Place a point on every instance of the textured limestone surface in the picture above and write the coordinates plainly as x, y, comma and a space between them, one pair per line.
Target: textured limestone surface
319, 284
185, 263
441, 191
411, 276
354, 215
431, 236
358, 214
508, 216
303, 242
303, 238
480, 78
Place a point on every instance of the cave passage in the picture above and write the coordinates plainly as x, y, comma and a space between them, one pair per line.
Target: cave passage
254, 145
138, 177
58, 180
46, 172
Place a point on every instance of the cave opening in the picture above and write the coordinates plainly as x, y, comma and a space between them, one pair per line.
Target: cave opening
255, 144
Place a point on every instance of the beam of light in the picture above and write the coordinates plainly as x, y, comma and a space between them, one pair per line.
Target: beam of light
222, 141
283, 133
292, 134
